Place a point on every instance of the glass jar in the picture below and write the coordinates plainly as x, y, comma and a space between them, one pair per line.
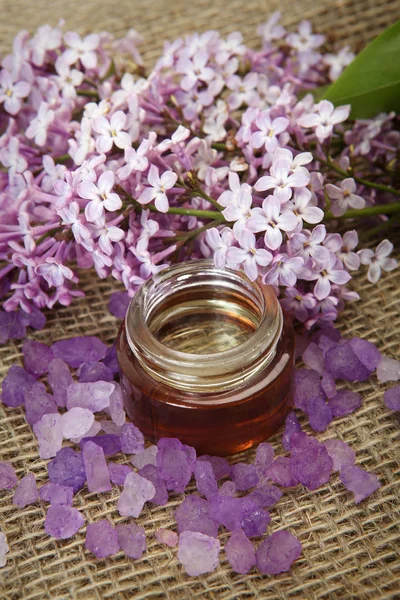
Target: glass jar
206, 356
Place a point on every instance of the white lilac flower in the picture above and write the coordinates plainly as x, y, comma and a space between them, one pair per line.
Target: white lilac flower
350, 259
325, 117
159, 185
268, 130
111, 132
54, 272
12, 91
68, 79
337, 62
100, 196
136, 160
282, 180
236, 190
47, 38
248, 255
39, 125
284, 270
81, 49
378, 260
270, 219
220, 242
344, 197
325, 275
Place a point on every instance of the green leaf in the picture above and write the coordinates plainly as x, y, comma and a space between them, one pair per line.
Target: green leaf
371, 83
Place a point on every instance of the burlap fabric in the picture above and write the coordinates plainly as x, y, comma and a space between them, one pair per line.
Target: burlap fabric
349, 551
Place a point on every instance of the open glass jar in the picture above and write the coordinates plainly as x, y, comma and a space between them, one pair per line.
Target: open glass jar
206, 356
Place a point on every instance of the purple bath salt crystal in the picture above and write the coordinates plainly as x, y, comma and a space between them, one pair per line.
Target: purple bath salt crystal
313, 358
341, 454
392, 398
35, 319
118, 472
15, 384
328, 385
244, 476
91, 433
12, 326
56, 494
173, 465
98, 479
292, 425
137, 490
67, 469
76, 422
49, 433
310, 462
367, 352
118, 304
307, 385
264, 458
110, 359
198, 553
239, 513
277, 553
110, 427
132, 440
388, 369
319, 414
26, 492
62, 522
266, 495
255, 520
228, 488
206, 482
358, 481
77, 350
89, 372
342, 362
281, 471
37, 357
191, 455
132, 539
102, 539
240, 552
59, 379
117, 411
220, 465
167, 537
4, 549
161, 494
344, 403
109, 443
93, 396
8, 478
193, 514
38, 403
147, 457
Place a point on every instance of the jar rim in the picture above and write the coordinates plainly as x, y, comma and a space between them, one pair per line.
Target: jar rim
210, 371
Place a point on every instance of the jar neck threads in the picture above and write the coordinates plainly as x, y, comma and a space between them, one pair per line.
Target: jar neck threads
202, 329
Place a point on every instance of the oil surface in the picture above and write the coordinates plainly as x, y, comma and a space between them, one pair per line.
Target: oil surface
204, 326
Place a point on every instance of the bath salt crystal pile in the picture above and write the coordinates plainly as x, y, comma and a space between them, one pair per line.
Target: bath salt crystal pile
77, 405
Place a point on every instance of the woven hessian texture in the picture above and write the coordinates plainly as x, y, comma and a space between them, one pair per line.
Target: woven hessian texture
349, 551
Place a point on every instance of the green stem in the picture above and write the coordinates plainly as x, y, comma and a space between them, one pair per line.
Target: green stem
202, 194
219, 146
361, 180
88, 93
370, 211
173, 210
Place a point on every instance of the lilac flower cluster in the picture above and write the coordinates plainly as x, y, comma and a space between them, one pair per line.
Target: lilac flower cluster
216, 152
86, 408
